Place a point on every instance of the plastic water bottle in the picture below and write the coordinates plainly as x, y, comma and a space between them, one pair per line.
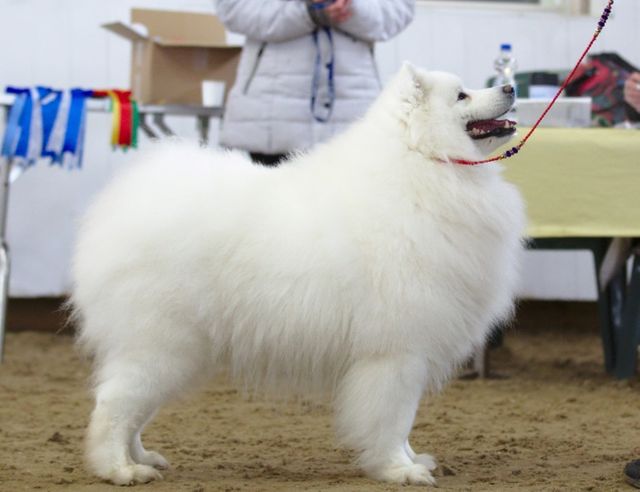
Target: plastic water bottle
506, 65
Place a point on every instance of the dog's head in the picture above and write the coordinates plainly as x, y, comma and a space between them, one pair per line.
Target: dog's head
442, 119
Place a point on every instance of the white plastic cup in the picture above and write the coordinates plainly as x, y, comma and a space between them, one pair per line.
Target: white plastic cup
213, 93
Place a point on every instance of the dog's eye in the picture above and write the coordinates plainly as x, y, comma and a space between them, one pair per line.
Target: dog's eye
462, 96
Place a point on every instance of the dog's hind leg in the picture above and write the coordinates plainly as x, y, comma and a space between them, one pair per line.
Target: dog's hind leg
143, 457
118, 415
376, 404
131, 388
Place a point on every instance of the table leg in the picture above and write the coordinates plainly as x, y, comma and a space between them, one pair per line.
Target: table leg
627, 343
609, 306
203, 129
144, 126
5, 171
618, 303
481, 361
158, 119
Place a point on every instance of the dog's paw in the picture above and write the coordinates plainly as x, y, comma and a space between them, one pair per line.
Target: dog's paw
152, 458
426, 460
133, 474
414, 474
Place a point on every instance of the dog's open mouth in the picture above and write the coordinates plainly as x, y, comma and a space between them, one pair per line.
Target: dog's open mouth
490, 128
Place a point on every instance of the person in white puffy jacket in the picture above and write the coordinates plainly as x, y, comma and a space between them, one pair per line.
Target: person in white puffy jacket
306, 71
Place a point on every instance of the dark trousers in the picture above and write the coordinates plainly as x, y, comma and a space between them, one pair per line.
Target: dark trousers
267, 159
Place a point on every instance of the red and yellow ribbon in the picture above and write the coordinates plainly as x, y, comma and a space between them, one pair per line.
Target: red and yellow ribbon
125, 119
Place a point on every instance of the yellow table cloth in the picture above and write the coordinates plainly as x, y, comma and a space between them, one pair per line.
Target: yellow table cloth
579, 182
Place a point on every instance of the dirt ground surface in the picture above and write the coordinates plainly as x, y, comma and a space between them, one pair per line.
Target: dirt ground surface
550, 420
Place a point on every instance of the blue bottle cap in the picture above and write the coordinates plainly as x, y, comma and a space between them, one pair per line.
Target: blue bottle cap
505, 47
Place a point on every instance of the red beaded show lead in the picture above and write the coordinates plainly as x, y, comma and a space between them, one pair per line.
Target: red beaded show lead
514, 150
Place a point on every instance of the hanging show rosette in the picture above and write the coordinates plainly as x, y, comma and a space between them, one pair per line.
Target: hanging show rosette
50, 123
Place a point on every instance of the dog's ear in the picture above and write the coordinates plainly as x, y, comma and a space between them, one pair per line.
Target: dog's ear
408, 69
412, 85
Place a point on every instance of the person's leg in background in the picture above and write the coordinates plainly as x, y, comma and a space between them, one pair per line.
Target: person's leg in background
271, 160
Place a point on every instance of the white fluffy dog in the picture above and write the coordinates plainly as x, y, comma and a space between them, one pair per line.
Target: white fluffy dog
367, 269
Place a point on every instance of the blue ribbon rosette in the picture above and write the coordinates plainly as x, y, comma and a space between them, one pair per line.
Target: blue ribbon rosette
46, 123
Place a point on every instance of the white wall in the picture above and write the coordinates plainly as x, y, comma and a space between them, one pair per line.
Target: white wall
59, 43
466, 40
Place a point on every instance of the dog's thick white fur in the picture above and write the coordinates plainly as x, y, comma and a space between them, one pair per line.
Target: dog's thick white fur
367, 269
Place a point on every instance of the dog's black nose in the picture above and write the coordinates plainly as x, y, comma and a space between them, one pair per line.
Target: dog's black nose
508, 89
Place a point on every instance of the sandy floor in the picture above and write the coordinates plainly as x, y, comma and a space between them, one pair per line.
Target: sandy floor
553, 421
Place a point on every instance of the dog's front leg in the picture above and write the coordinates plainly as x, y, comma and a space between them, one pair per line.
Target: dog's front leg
375, 408
424, 458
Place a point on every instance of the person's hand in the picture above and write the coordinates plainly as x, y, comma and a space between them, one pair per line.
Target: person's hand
339, 10
632, 90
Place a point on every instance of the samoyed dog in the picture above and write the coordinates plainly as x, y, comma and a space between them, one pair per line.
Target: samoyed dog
367, 269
